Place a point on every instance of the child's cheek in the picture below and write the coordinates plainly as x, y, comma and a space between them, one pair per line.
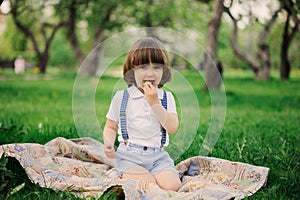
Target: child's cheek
139, 79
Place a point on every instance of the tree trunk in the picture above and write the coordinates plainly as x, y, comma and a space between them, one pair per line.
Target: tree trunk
285, 63
263, 72
42, 62
213, 77
71, 34
254, 64
285, 66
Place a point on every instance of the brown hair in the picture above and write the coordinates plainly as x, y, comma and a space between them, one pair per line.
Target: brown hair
144, 51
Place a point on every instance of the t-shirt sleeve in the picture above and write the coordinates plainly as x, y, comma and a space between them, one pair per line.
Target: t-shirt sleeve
114, 108
171, 103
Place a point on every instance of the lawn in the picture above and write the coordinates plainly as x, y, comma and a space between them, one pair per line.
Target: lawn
261, 125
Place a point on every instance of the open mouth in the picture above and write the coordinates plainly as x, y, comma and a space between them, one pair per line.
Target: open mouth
145, 82
151, 81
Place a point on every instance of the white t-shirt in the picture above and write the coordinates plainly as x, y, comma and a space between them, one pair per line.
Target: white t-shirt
143, 128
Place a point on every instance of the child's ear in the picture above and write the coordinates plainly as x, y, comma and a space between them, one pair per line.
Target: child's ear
166, 77
129, 77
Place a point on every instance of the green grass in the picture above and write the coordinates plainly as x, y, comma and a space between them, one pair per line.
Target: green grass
261, 127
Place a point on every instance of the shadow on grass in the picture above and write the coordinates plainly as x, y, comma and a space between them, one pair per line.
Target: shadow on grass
114, 192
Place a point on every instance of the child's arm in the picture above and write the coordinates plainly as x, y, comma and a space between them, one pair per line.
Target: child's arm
168, 120
109, 136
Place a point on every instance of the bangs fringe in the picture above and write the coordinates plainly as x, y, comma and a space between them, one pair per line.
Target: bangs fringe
148, 55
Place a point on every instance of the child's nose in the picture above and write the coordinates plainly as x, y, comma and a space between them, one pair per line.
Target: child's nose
150, 72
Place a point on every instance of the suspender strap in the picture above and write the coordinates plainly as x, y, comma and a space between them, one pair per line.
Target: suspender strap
163, 130
123, 116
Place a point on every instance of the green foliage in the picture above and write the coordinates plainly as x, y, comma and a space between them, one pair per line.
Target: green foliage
7, 52
115, 192
274, 39
61, 52
5, 175
11, 41
225, 52
13, 177
11, 132
154, 13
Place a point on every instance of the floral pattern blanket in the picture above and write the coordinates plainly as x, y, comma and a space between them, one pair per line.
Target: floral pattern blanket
81, 167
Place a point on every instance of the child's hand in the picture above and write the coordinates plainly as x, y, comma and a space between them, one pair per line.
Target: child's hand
109, 151
151, 94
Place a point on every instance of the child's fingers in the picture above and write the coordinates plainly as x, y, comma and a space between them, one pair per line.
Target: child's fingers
149, 89
109, 151
111, 154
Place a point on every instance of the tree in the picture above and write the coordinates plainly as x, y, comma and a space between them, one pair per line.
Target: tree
27, 18
11, 41
152, 13
106, 16
99, 16
259, 64
290, 29
178, 15
213, 78
72, 10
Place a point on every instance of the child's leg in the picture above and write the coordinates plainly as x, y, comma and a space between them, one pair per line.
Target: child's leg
138, 173
168, 180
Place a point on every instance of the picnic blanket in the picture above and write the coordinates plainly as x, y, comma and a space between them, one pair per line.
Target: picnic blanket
81, 167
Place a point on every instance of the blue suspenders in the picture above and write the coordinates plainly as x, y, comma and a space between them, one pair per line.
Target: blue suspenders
123, 118
163, 130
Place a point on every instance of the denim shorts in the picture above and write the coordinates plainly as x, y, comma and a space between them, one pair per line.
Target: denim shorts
154, 159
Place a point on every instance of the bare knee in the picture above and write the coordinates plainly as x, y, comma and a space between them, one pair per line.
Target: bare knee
174, 185
168, 180
138, 173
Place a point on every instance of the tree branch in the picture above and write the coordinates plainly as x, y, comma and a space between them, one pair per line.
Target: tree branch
54, 30
71, 31
267, 27
24, 29
289, 7
254, 64
99, 31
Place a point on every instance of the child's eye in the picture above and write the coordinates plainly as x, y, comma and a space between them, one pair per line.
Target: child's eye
157, 67
142, 67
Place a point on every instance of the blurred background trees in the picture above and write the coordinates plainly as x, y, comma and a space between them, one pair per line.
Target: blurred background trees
245, 34
35, 20
260, 62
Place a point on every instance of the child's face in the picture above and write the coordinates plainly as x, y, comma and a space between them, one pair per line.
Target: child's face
148, 72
